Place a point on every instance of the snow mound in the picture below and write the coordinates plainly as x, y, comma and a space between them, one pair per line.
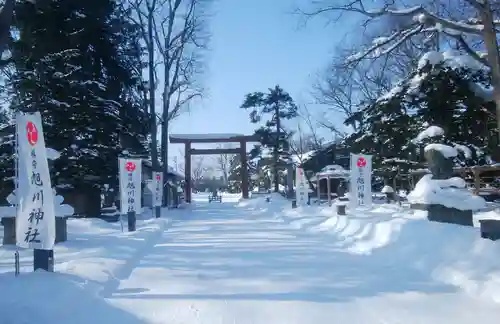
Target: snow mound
467, 261
387, 189
358, 232
452, 255
451, 193
37, 286
447, 151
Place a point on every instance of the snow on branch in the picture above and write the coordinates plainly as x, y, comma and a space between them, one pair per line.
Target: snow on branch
399, 37
422, 16
424, 21
429, 132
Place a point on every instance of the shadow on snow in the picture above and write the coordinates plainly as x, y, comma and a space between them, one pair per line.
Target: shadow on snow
223, 246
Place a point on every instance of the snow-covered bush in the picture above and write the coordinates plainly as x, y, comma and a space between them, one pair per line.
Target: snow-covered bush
433, 138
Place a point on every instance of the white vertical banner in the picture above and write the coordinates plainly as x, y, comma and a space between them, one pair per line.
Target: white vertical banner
301, 187
157, 189
130, 185
361, 181
35, 217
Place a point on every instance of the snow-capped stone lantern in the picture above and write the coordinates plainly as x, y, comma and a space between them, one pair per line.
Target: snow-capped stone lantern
444, 196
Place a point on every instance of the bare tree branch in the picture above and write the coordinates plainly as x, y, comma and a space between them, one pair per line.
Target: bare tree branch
304, 142
181, 37
223, 161
197, 171
479, 21
144, 16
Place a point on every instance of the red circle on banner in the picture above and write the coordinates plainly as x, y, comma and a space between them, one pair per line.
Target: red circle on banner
158, 177
31, 133
130, 166
361, 162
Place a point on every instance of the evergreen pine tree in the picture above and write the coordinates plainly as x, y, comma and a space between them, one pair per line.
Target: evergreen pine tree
7, 156
279, 106
453, 98
385, 129
448, 95
77, 63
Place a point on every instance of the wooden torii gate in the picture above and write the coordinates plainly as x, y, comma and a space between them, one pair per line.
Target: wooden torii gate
188, 139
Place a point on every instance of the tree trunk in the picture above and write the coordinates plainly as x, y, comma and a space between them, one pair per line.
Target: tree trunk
276, 149
226, 176
491, 43
164, 144
152, 87
6, 17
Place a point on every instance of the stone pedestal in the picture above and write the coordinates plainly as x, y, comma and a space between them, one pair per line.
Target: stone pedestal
43, 260
490, 229
442, 214
390, 196
9, 230
61, 229
131, 221
418, 206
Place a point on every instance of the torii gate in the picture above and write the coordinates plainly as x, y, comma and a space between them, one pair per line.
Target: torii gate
188, 139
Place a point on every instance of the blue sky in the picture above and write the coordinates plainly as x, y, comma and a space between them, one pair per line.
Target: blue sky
255, 45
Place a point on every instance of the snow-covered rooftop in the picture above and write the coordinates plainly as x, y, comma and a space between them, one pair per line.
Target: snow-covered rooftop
301, 158
332, 171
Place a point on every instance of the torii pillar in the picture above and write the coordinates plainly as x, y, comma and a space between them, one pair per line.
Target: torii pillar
187, 172
244, 169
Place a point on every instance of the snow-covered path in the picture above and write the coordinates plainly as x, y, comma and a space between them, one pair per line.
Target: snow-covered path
229, 264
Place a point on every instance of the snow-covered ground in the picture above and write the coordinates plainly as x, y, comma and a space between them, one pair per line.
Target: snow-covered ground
242, 262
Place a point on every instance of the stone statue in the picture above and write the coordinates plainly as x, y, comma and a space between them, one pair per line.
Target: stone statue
440, 166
